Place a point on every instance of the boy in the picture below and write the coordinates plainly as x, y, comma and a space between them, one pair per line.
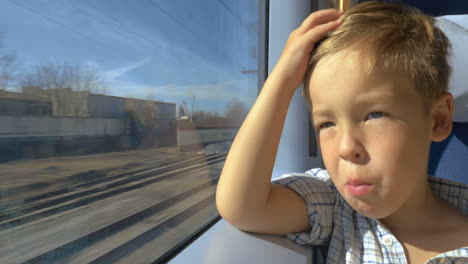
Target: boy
377, 90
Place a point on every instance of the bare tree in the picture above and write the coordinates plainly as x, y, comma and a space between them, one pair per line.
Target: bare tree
236, 111
60, 76
8, 67
66, 86
143, 122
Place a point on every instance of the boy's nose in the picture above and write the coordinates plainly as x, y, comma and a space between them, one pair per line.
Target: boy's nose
351, 148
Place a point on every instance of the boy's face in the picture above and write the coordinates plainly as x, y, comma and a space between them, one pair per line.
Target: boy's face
373, 132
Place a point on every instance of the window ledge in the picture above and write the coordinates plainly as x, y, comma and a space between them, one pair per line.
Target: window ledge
224, 243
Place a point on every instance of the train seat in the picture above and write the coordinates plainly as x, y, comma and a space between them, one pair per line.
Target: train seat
449, 158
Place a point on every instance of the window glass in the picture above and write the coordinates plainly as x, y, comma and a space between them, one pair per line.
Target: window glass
115, 121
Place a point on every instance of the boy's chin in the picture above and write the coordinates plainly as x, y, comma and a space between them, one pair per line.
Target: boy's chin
371, 211
374, 215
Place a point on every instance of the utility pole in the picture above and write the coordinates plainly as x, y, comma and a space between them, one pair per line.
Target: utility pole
193, 107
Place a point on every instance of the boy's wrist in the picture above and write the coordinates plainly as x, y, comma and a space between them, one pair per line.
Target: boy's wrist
281, 83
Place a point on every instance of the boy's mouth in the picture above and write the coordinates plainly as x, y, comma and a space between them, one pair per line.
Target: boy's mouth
358, 188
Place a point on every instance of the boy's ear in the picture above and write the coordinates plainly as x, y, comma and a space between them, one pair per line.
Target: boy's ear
441, 115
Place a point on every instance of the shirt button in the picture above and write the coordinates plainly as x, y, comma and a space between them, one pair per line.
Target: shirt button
388, 241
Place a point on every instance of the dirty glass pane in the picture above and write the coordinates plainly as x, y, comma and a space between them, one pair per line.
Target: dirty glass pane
115, 121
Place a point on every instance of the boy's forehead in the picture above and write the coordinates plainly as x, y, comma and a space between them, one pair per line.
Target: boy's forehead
348, 68
342, 60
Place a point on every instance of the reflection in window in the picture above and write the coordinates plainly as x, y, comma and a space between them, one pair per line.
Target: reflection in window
116, 118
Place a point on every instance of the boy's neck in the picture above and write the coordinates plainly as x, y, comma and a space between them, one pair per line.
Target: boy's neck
422, 212
427, 226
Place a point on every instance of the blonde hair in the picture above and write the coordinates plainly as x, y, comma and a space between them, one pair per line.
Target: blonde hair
396, 37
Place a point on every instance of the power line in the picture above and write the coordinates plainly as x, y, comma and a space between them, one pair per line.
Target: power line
187, 28
233, 14
57, 22
172, 17
149, 41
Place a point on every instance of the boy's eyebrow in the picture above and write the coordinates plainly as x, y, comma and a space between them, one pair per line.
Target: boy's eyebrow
372, 98
365, 99
321, 112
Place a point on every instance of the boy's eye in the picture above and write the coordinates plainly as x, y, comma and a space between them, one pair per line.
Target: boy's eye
326, 125
377, 114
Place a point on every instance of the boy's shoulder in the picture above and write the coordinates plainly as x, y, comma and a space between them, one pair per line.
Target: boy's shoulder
455, 193
317, 173
311, 181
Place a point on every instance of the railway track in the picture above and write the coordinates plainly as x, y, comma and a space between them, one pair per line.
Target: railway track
68, 198
93, 178
111, 241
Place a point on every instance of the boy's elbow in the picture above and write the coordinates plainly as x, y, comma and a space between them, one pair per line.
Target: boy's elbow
226, 207
236, 218
239, 222
225, 211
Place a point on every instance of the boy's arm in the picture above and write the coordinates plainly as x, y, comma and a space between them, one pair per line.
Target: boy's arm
245, 196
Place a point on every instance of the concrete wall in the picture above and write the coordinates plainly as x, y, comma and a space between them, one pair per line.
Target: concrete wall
61, 122
20, 107
117, 107
106, 106
69, 103
27, 126
167, 111
196, 139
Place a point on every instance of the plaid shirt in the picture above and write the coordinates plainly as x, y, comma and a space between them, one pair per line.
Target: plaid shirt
352, 237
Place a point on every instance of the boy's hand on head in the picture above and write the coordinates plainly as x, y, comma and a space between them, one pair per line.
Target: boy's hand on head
245, 196
292, 65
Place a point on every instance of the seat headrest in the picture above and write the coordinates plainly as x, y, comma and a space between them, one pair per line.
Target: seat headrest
456, 29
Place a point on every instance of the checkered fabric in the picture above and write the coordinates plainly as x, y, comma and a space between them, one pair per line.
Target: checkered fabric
352, 237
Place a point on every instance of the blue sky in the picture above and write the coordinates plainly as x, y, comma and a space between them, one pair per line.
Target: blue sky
166, 50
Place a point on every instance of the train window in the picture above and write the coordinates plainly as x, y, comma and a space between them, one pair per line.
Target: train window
115, 121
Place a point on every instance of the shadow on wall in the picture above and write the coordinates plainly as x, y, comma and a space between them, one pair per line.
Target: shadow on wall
45, 147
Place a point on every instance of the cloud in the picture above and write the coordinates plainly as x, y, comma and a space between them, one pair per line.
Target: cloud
115, 73
218, 90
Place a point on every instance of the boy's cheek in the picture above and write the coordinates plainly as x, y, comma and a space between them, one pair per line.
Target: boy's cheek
330, 158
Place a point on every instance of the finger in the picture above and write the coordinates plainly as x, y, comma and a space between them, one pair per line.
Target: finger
320, 31
318, 18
